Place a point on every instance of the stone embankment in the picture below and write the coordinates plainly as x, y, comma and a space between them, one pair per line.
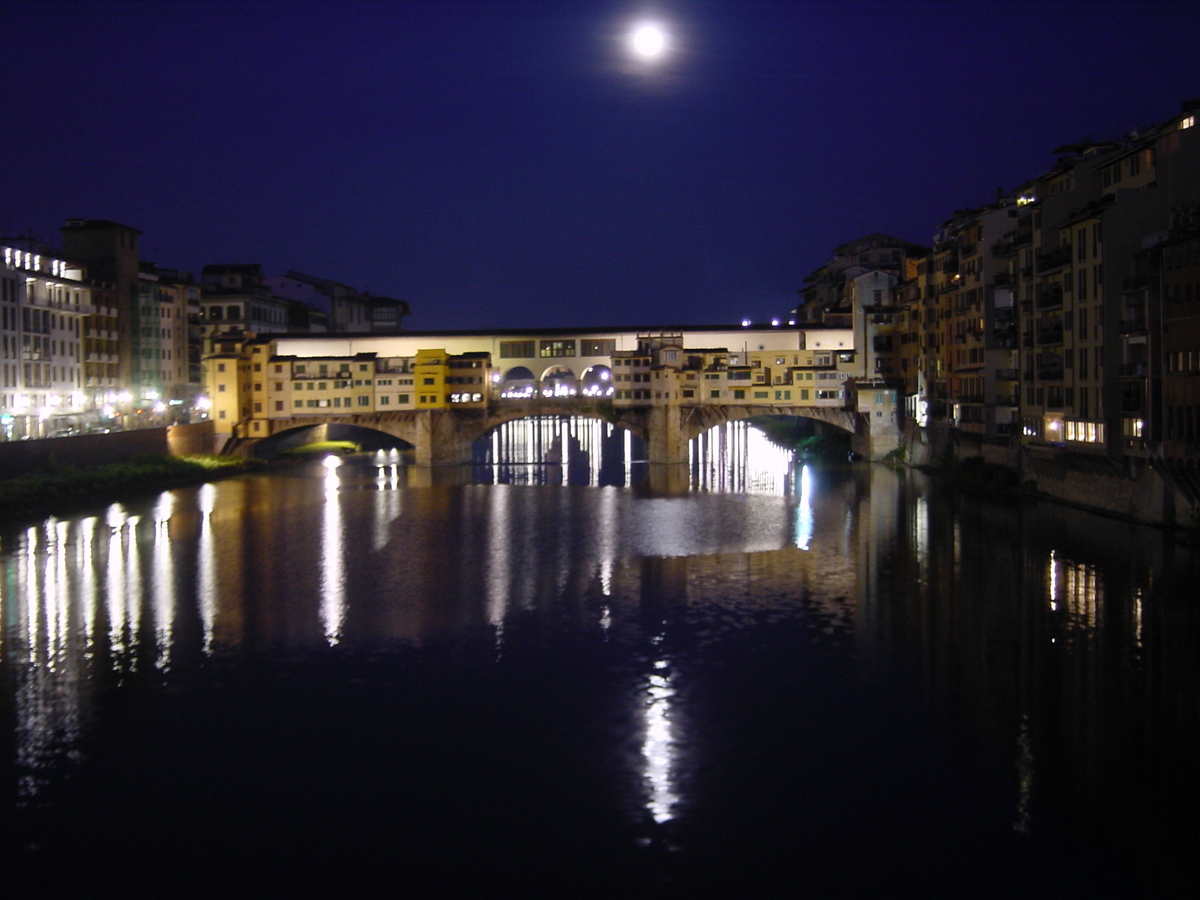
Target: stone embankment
1148, 493
63, 475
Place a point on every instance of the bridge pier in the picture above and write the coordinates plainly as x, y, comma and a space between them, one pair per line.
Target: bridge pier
879, 429
442, 437
666, 439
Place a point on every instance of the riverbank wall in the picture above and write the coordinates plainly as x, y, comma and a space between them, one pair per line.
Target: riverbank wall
1143, 493
83, 450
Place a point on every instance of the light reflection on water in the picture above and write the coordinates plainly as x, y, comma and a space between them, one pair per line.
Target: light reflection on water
658, 744
333, 575
353, 558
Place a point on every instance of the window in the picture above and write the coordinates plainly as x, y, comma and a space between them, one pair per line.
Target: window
402, 398
715, 395
557, 349
278, 406
596, 348
428, 381
739, 395
517, 349
364, 400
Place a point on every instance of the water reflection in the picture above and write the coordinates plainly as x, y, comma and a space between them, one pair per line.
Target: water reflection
567, 450
1050, 635
206, 582
739, 457
163, 579
658, 745
333, 575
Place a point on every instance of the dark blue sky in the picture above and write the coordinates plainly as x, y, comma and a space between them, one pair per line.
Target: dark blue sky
507, 163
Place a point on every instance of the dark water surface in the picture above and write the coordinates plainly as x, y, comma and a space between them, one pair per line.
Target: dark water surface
853, 686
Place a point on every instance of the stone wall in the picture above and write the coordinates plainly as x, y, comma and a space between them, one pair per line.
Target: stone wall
1086, 480
83, 450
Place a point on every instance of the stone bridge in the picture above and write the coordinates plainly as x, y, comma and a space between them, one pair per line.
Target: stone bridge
444, 436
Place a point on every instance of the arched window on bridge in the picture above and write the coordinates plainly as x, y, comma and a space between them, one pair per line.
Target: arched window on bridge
597, 382
518, 384
559, 381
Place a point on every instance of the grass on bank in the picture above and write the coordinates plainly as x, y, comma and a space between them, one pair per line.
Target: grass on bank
58, 488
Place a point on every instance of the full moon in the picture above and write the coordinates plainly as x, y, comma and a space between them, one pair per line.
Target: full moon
649, 41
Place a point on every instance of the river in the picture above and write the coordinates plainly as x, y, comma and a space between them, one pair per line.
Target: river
791, 680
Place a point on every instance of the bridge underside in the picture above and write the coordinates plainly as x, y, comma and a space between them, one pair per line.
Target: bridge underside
444, 436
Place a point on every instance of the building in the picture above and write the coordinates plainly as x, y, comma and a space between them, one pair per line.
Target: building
826, 289
345, 308
259, 384
234, 298
163, 386
109, 252
44, 301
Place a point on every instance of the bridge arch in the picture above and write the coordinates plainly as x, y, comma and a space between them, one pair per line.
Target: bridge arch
559, 381
700, 419
597, 381
301, 435
518, 383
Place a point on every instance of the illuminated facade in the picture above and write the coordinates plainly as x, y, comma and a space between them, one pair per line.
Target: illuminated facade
259, 386
43, 302
161, 376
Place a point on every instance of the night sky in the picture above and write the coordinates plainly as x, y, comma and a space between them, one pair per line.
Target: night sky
511, 163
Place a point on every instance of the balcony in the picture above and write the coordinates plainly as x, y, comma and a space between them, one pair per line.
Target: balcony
1132, 370
1002, 279
1050, 297
1048, 260
1006, 400
1050, 373
1009, 244
1049, 336
1006, 374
